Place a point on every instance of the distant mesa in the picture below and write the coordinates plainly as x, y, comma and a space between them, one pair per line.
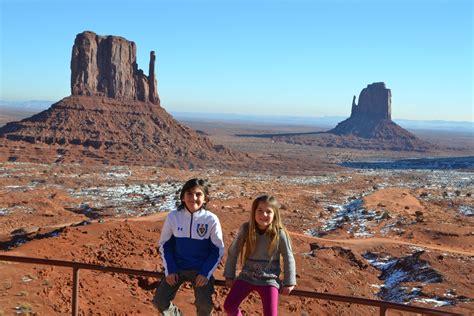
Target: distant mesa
375, 102
370, 127
372, 119
113, 116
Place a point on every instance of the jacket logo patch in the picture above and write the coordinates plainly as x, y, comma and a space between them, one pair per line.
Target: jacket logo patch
201, 229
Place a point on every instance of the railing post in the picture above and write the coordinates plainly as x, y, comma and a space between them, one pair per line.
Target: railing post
383, 309
75, 291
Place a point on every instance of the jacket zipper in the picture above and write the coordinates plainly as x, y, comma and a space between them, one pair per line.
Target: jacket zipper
191, 226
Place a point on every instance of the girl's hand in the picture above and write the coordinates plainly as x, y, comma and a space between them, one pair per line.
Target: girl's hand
201, 280
172, 279
286, 290
229, 282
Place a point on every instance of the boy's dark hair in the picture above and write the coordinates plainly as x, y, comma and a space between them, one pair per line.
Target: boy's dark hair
190, 184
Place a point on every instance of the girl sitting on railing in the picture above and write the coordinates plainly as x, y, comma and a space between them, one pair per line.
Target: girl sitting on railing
260, 242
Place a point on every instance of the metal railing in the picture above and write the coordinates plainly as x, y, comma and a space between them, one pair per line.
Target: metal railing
76, 266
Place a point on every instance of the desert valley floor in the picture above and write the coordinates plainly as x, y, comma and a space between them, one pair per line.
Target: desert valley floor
399, 234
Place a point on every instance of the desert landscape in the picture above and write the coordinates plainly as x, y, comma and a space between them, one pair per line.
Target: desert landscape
373, 210
398, 235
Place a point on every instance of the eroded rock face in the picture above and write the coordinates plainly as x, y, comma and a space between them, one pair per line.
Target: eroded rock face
106, 66
371, 118
112, 117
375, 102
108, 130
370, 125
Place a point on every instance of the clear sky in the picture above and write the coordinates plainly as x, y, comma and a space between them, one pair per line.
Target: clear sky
302, 58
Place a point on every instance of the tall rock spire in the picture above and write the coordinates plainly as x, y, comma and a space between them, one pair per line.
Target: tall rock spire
153, 94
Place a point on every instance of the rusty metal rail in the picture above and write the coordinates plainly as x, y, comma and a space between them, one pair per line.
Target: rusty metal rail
76, 266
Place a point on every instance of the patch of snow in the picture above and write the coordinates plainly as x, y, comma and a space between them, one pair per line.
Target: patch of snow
437, 302
397, 271
466, 210
417, 249
352, 213
129, 200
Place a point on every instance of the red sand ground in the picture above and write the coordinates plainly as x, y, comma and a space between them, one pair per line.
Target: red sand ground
44, 201
39, 198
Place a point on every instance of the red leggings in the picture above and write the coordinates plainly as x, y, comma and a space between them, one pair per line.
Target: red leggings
241, 289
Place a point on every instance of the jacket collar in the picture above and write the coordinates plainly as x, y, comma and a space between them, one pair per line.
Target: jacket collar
187, 212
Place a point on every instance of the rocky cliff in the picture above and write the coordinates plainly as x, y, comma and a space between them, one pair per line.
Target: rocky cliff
372, 117
375, 102
113, 116
107, 66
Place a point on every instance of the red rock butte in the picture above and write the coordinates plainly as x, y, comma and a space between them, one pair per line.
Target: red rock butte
370, 125
372, 117
113, 116
107, 66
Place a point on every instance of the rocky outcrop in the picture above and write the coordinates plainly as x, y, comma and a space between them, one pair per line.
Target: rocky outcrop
153, 93
113, 117
375, 102
107, 66
84, 128
369, 127
372, 117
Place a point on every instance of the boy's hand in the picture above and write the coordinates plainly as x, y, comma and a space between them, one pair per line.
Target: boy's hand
201, 280
172, 279
229, 282
286, 290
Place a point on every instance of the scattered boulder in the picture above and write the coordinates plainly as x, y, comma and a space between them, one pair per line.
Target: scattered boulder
25, 231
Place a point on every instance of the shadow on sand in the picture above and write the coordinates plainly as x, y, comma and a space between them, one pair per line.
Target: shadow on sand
280, 134
422, 163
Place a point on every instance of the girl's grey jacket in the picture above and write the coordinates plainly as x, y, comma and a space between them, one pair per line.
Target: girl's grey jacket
262, 268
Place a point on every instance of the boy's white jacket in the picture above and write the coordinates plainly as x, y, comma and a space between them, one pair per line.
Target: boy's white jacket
191, 241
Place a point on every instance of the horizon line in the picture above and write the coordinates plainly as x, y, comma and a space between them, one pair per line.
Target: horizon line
40, 108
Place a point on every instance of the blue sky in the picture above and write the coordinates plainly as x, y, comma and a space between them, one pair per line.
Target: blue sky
303, 58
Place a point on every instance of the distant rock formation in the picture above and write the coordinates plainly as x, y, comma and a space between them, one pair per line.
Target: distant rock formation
372, 119
83, 128
113, 116
375, 102
107, 66
370, 127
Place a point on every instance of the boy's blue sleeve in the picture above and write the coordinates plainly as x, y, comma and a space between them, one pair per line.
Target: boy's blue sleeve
167, 245
216, 250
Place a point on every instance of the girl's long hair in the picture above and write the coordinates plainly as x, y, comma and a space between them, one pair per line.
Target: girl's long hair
273, 230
